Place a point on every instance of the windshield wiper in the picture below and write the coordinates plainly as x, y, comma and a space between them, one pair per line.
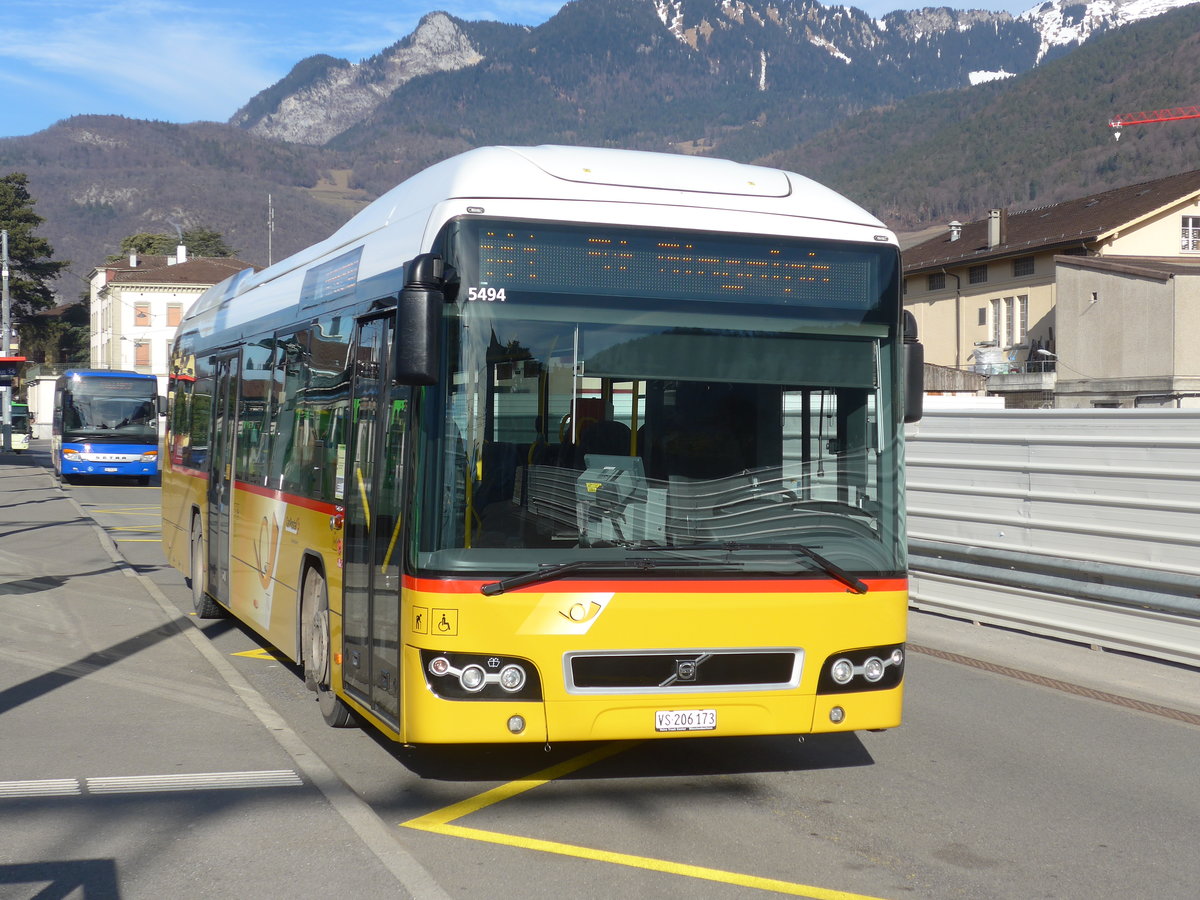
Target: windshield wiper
558, 570
832, 569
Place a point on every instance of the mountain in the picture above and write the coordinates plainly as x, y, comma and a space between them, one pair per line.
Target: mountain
794, 50
1064, 24
1022, 143
917, 114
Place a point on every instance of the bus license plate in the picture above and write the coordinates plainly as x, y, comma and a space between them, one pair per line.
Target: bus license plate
111, 469
685, 720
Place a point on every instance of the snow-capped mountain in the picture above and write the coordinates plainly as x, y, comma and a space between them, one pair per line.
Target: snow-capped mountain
1068, 23
787, 52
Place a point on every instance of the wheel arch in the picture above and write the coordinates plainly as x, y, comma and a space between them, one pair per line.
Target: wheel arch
197, 515
310, 560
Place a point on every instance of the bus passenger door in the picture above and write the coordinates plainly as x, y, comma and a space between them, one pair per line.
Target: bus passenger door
220, 478
374, 508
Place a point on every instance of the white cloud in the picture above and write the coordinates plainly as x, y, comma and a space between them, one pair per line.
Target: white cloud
185, 60
177, 61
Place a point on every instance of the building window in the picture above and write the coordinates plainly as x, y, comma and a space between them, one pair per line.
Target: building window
1022, 266
1191, 234
1009, 320
937, 281
141, 354
977, 274
174, 314
141, 315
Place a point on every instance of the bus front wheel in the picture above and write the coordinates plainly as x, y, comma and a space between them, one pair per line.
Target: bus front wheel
316, 641
206, 607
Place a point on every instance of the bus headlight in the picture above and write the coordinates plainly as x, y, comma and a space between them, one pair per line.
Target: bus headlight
512, 678
472, 678
72, 455
480, 676
864, 669
151, 456
842, 671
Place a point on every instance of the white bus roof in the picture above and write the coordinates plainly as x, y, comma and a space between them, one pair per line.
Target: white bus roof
581, 174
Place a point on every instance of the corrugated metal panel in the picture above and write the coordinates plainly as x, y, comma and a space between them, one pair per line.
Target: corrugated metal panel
1119, 487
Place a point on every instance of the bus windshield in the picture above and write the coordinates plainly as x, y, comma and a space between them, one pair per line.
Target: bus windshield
110, 410
20, 419
678, 412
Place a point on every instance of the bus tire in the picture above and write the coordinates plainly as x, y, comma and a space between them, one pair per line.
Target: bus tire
314, 611
205, 606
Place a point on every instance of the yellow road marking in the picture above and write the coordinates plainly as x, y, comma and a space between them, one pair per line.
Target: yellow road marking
261, 653
439, 822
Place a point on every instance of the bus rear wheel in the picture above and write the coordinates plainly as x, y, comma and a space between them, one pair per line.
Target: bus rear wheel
316, 644
205, 606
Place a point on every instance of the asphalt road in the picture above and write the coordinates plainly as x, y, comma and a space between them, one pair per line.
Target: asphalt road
1000, 784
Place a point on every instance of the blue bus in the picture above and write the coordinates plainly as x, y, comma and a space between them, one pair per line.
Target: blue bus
105, 425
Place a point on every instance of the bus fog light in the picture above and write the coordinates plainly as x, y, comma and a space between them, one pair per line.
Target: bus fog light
512, 678
516, 724
897, 656
873, 669
439, 666
837, 715
842, 671
472, 678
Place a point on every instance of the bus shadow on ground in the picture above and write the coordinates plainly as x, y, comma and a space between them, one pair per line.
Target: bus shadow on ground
665, 758
89, 879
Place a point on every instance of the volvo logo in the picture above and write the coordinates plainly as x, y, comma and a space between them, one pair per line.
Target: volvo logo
685, 670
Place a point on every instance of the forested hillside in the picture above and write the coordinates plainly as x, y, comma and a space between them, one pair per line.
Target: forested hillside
1022, 143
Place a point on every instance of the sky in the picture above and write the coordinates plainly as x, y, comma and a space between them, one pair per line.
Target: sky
188, 61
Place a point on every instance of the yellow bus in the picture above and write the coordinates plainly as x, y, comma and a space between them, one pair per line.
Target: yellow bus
560, 444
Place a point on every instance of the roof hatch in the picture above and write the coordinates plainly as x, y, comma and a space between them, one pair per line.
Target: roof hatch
658, 171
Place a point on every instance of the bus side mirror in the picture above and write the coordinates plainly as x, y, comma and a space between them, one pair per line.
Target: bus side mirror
162, 404
418, 317
914, 372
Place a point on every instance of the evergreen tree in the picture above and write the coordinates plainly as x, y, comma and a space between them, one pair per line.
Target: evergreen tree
57, 337
30, 258
199, 242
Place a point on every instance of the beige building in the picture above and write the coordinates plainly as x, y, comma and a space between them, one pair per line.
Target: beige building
1134, 344
137, 304
1011, 297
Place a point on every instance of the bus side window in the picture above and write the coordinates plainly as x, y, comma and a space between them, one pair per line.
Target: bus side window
289, 454
254, 415
181, 418
326, 400
196, 453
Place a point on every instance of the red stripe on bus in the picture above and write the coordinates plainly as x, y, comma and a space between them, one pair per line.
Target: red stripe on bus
177, 469
710, 586
291, 499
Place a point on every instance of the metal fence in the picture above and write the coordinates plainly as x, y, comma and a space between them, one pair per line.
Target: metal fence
1081, 524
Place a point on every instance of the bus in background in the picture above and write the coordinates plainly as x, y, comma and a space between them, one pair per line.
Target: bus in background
562, 444
105, 425
22, 428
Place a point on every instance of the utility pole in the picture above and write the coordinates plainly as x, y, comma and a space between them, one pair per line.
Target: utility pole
6, 334
270, 230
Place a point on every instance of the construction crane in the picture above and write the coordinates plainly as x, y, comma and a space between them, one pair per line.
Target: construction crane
1116, 123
